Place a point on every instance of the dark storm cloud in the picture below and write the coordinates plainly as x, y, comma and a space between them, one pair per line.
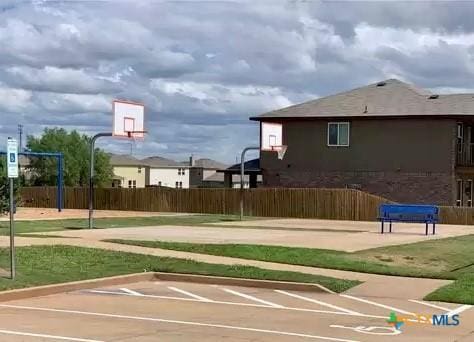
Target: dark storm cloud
202, 68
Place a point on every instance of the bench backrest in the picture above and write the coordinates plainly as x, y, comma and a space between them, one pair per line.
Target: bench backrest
417, 212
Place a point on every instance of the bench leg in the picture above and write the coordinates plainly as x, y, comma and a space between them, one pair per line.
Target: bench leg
426, 230
381, 231
434, 228
390, 227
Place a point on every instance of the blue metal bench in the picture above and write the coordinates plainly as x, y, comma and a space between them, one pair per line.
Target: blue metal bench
408, 213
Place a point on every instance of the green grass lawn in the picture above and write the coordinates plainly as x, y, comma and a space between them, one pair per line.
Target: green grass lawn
56, 225
41, 265
450, 258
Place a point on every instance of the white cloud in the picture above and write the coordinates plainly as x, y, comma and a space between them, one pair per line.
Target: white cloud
14, 100
202, 69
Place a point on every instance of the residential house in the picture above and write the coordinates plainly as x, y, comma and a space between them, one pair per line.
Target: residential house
203, 173
388, 138
231, 175
128, 171
167, 172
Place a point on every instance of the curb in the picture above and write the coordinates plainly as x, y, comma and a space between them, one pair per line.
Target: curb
47, 290
264, 284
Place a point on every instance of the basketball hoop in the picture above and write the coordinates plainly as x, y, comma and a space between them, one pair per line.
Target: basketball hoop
280, 149
128, 119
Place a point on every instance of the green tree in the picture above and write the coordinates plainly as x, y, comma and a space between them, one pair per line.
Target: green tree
75, 148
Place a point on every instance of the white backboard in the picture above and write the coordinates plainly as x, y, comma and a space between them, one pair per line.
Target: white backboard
128, 119
271, 135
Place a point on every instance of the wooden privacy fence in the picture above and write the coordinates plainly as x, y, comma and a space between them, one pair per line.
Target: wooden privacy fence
342, 204
338, 204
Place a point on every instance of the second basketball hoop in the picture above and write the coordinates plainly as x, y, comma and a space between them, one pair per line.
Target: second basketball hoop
272, 139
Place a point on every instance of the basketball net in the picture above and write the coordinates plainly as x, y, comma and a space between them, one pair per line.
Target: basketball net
281, 150
134, 135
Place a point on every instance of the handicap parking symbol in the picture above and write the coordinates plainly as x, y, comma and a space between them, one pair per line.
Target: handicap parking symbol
387, 331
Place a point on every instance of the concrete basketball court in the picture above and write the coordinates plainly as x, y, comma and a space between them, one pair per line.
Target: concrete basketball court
178, 311
327, 234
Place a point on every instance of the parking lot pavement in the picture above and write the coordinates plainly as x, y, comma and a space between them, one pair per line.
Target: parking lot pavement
174, 311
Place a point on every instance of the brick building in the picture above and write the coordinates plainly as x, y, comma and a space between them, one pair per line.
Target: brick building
389, 138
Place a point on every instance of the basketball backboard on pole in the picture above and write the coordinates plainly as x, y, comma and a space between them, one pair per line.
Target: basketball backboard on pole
128, 119
128, 122
271, 137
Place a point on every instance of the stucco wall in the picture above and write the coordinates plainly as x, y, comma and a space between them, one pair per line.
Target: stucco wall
131, 173
169, 177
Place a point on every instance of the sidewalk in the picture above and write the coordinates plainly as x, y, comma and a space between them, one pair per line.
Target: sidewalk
374, 285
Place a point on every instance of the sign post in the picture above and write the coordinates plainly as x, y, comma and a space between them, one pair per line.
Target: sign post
12, 167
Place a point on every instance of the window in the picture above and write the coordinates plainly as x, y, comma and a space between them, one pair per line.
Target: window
181, 185
338, 134
129, 184
139, 170
176, 185
159, 183
182, 171
134, 183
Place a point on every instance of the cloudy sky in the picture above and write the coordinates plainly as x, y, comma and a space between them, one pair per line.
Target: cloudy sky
202, 68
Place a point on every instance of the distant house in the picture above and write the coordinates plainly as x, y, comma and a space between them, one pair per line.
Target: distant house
203, 173
158, 171
128, 172
389, 138
231, 175
166, 172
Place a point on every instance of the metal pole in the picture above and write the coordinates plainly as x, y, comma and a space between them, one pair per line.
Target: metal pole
91, 177
60, 182
20, 132
12, 232
242, 175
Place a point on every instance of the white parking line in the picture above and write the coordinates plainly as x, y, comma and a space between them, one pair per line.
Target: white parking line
134, 293
243, 295
160, 320
459, 310
239, 304
429, 304
192, 295
52, 337
379, 305
318, 302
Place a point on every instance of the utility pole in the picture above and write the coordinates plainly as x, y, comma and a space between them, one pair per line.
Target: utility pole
20, 133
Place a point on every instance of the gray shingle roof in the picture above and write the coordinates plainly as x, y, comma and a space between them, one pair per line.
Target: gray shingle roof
207, 163
157, 161
124, 160
393, 98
